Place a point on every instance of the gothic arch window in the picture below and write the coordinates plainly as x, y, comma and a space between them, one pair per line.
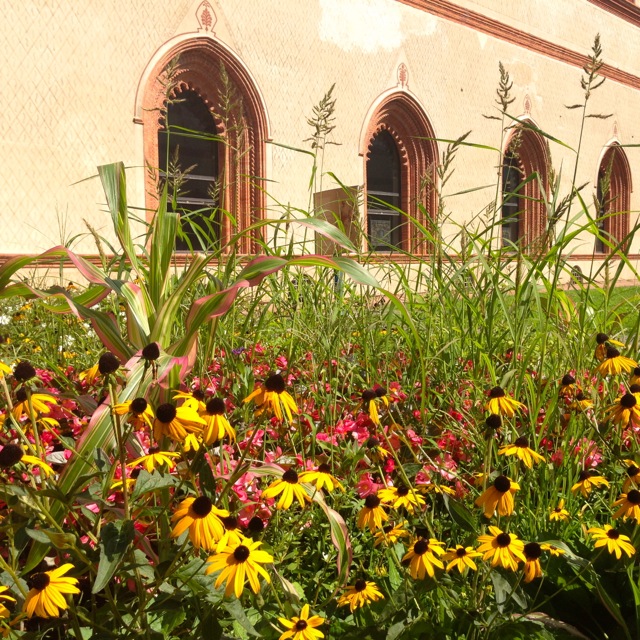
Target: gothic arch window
525, 184
200, 83
613, 194
400, 168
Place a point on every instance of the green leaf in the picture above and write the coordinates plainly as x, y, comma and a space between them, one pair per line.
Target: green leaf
460, 514
147, 482
236, 610
115, 539
57, 539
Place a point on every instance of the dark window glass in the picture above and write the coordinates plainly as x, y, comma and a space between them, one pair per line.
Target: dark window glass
511, 201
601, 196
192, 157
383, 192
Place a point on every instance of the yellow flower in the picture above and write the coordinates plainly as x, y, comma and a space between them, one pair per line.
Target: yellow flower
176, 423
625, 411
359, 594
422, 558
552, 549
12, 454
532, 568
635, 376
139, 410
273, 396
192, 400
369, 398
321, 477
39, 401
4, 370
202, 519
581, 402
629, 504
232, 535
288, 488
89, 375
633, 476
372, 515
4, 612
568, 387
559, 513
401, 496
520, 448
603, 341
501, 404
237, 563
615, 363
302, 628
390, 535
503, 549
586, 480
460, 558
376, 451
46, 597
156, 459
499, 495
615, 542
216, 424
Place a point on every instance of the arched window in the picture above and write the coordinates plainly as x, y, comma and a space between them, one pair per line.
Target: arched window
525, 172
400, 168
188, 157
200, 85
613, 194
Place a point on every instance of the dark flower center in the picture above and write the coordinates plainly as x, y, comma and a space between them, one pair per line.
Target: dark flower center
215, 407
585, 475
494, 421
166, 412
532, 550
324, 468
202, 506
420, 547
613, 534
372, 501
633, 496
108, 363
290, 476
502, 484
241, 553
230, 523
612, 352
497, 392
567, 380
360, 585
198, 394
632, 470
372, 442
39, 581
138, 405
255, 525
601, 338
380, 391
636, 371
301, 625
21, 395
154, 448
503, 540
368, 395
522, 442
275, 383
634, 388
461, 552
151, 351
10, 454
628, 401
402, 491
580, 396
24, 371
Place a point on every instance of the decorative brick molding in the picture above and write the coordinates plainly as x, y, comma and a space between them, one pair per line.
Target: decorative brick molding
401, 115
625, 9
201, 63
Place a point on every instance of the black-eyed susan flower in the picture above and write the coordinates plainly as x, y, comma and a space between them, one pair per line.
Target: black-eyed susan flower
552, 549
138, 411
532, 568
156, 459
176, 423
625, 410
401, 496
370, 398
238, 563
203, 521
503, 549
615, 363
360, 593
568, 386
498, 496
372, 515
616, 542
629, 505
12, 454
321, 478
24, 371
502, 404
303, 627
375, 449
602, 342
493, 425
39, 401
4, 597
635, 376
273, 395
232, 534
5, 369
422, 559
89, 375
581, 402
461, 558
216, 424
559, 513
390, 534
108, 363
520, 448
47, 594
588, 479
288, 487
633, 476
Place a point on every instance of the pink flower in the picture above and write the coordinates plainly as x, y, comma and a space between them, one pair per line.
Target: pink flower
366, 486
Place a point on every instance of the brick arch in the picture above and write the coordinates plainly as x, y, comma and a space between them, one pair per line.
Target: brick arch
201, 63
618, 199
404, 119
532, 153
